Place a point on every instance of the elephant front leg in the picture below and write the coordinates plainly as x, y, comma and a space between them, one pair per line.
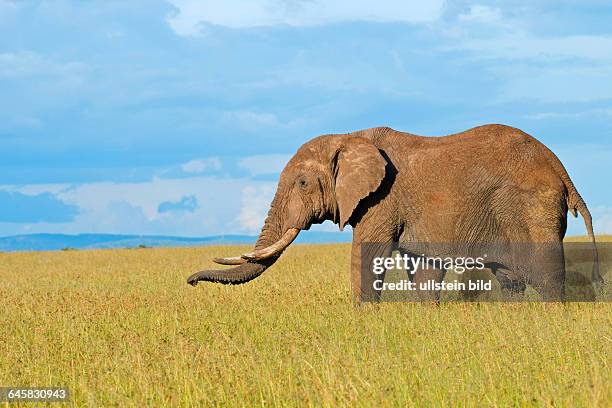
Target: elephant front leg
375, 236
367, 275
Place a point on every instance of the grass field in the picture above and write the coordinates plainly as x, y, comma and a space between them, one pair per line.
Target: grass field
121, 327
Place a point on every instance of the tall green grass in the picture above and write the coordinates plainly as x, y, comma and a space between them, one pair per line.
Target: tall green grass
121, 327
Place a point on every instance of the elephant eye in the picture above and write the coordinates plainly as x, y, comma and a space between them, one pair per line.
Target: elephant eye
302, 183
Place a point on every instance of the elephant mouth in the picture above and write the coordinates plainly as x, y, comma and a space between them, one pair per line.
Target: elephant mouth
264, 253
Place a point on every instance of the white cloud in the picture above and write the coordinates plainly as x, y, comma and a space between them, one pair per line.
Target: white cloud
197, 166
106, 207
329, 226
568, 84
521, 45
481, 14
7, 7
264, 164
260, 13
530, 66
573, 114
224, 206
28, 64
602, 220
508, 38
255, 204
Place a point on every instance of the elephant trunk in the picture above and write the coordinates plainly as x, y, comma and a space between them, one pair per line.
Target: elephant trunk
271, 243
234, 276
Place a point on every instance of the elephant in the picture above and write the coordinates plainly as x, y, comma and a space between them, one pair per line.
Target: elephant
490, 184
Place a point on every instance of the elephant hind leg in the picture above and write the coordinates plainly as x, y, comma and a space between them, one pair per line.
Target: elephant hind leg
547, 274
543, 268
543, 258
540, 265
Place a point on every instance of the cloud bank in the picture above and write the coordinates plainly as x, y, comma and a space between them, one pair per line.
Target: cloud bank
113, 116
191, 14
16, 207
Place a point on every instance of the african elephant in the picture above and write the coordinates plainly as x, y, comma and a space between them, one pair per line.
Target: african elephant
489, 184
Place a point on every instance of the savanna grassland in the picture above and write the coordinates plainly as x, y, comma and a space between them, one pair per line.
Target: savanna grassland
122, 328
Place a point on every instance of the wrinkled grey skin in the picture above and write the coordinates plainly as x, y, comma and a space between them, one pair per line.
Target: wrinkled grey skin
490, 184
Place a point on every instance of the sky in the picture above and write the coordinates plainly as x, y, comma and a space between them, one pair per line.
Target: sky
176, 117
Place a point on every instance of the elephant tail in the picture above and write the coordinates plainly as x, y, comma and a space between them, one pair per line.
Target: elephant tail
575, 205
580, 206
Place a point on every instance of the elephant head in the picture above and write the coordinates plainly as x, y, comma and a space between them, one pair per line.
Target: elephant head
325, 180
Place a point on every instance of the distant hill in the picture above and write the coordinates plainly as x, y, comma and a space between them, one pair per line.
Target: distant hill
49, 242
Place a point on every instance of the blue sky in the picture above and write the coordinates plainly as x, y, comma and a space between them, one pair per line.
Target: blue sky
175, 117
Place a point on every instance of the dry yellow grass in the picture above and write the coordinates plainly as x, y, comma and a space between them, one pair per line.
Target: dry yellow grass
121, 327
599, 238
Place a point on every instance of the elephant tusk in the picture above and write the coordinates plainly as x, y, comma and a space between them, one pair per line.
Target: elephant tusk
234, 260
273, 249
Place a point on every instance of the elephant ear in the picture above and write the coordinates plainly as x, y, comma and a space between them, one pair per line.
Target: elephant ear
359, 169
